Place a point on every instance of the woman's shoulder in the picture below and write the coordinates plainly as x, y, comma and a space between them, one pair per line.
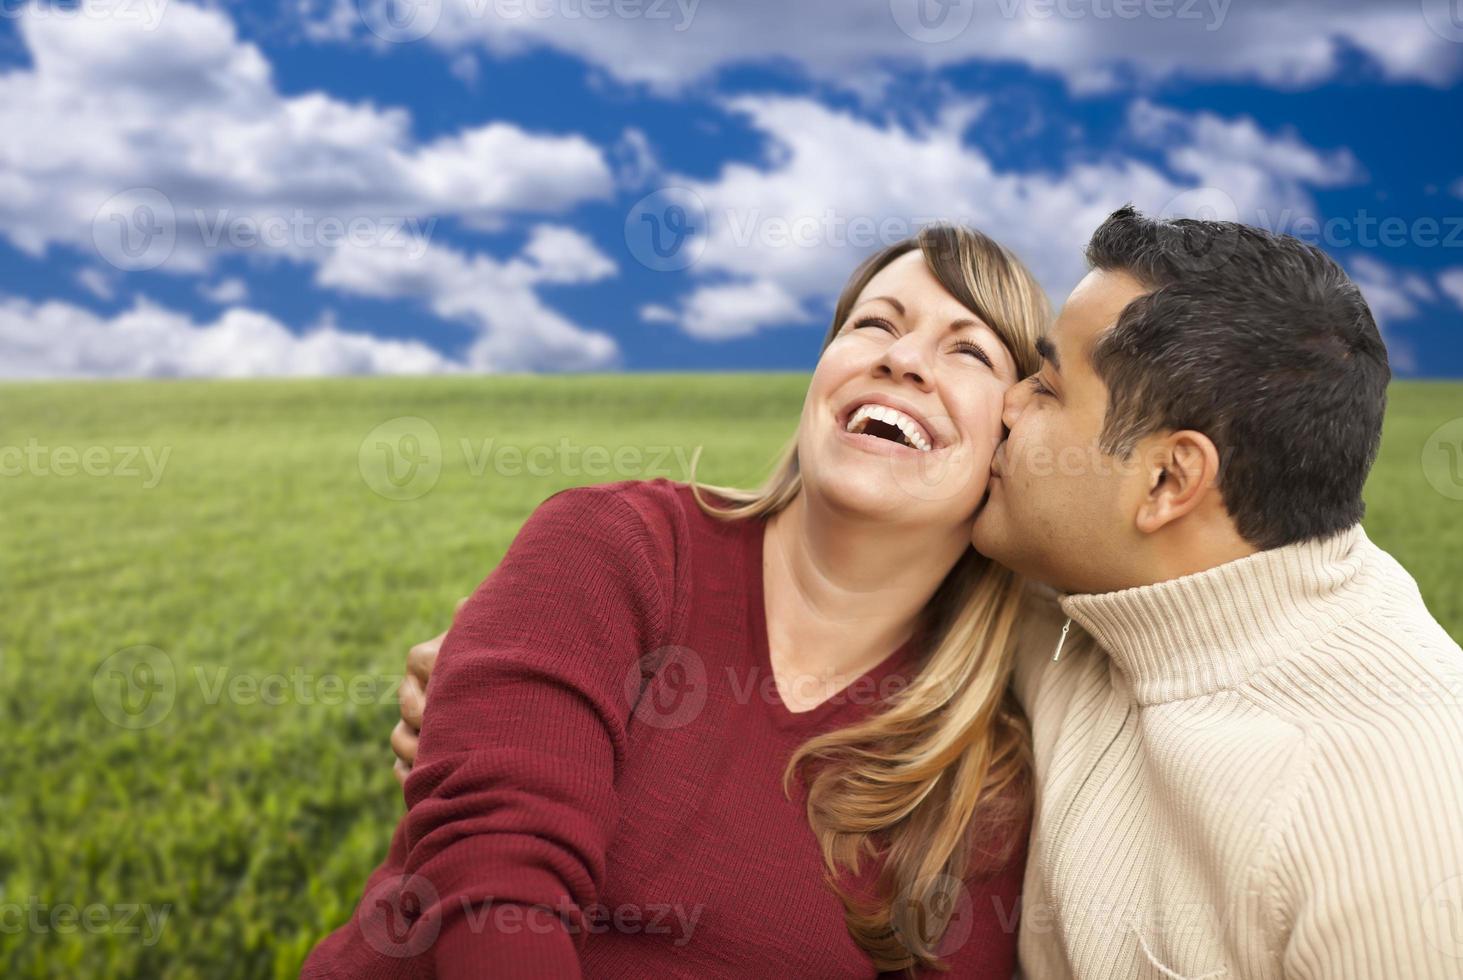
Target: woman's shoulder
638, 508
665, 509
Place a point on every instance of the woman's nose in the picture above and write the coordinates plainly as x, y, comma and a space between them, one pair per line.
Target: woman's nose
904, 360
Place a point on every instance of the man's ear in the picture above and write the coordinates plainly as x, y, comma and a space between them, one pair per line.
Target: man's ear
1182, 469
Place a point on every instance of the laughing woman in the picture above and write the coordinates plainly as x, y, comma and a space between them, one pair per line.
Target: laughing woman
694, 731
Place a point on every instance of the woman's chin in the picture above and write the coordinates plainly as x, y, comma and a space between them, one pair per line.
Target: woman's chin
887, 494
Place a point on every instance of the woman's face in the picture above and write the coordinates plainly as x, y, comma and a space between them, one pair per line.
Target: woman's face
933, 375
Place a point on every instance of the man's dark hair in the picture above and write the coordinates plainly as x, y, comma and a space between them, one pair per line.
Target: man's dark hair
1262, 343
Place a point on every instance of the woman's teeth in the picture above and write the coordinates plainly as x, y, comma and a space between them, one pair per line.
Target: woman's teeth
911, 431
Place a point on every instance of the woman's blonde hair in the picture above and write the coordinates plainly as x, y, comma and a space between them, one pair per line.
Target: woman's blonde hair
951, 750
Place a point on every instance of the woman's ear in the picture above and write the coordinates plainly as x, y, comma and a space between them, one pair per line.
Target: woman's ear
1183, 469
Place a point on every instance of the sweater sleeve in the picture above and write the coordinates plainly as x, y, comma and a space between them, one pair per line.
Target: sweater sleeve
511, 803
1370, 872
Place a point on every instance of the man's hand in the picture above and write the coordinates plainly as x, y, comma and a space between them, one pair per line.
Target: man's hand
413, 698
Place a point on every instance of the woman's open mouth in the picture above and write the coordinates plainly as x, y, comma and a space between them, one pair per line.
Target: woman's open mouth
876, 421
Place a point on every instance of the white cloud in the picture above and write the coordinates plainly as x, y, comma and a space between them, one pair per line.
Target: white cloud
739, 309
186, 124
658, 313
1393, 295
191, 110
1236, 155
517, 332
96, 282
225, 292
1450, 281
782, 237
851, 43
61, 340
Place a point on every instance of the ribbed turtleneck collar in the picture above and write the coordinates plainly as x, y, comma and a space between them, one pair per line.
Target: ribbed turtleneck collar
1201, 633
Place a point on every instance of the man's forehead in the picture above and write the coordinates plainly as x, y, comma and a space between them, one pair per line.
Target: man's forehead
1092, 308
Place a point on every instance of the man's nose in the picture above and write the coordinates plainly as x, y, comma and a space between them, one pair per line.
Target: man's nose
1014, 403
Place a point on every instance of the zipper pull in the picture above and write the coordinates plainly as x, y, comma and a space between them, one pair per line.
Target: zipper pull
1062, 642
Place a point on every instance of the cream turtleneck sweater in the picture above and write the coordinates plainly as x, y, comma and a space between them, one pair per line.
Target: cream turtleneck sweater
1253, 772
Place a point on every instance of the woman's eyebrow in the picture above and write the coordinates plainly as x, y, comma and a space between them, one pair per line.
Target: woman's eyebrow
887, 299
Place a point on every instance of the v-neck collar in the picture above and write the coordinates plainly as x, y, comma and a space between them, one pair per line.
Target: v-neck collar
869, 685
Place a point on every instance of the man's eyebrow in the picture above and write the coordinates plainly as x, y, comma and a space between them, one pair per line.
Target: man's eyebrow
1048, 352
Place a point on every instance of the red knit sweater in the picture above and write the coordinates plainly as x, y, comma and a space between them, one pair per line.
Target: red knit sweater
598, 786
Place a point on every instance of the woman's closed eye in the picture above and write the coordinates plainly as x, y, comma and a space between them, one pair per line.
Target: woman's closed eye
975, 349
873, 321
961, 346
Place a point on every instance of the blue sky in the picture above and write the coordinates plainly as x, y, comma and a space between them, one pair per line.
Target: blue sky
360, 186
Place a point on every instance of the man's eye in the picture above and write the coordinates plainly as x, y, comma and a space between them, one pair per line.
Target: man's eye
1038, 386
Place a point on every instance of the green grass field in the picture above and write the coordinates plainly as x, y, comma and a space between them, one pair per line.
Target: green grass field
210, 589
